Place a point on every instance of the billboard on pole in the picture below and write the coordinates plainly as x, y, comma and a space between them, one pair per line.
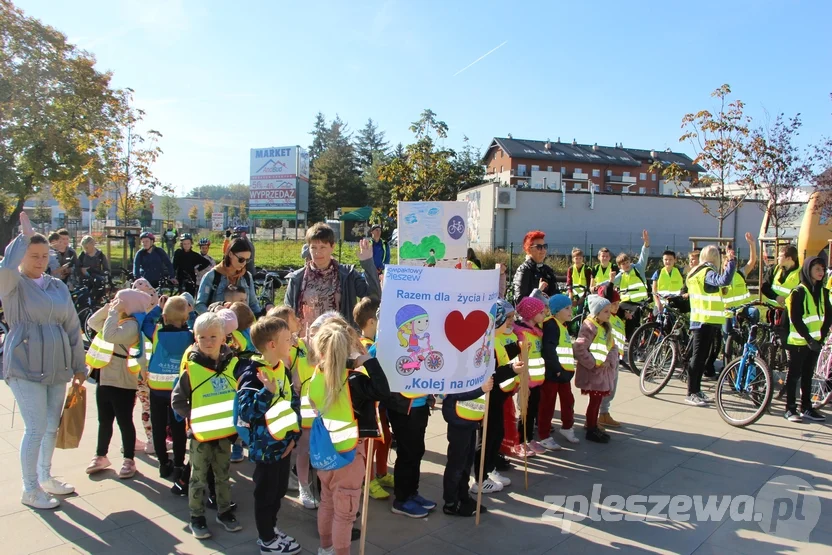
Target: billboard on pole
276, 173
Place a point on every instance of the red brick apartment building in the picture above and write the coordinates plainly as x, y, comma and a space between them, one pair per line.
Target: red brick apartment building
552, 165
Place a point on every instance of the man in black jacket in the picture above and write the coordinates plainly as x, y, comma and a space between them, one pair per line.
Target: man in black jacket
533, 273
186, 263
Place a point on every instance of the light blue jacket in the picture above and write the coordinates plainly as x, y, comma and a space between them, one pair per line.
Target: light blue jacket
202, 297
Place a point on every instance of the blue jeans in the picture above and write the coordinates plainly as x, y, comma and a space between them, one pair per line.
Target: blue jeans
40, 406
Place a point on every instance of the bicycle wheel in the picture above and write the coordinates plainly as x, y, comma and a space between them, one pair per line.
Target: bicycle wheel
641, 343
733, 347
658, 367
742, 397
821, 381
87, 333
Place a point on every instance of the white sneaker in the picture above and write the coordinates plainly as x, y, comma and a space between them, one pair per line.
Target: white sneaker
695, 401
550, 444
327, 551
56, 487
283, 536
495, 476
569, 435
278, 546
306, 497
149, 448
488, 486
39, 499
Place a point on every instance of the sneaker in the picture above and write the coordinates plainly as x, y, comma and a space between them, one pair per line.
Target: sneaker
426, 503
149, 448
199, 528
703, 397
569, 435
792, 416
181, 477
499, 478
228, 521
237, 453
278, 546
128, 469
488, 486
377, 491
39, 499
212, 504
522, 451
409, 508
695, 400
166, 469
327, 551
306, 497
97, 464
283, 536
810, 414
535, 446
550, 444
468, 507
387, 480
56, 487
294, 485
597, 436
607, 420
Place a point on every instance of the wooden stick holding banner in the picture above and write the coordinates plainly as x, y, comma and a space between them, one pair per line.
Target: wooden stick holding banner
366, 502
482, 456
524, 405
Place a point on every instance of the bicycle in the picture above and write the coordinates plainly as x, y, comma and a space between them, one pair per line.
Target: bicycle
822, 380
674, 349
644, 339
88, 298
747, 378
266, 285
434, 361
166, 287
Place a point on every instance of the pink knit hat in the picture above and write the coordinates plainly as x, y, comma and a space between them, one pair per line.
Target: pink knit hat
144, 286
530, 307
229, 320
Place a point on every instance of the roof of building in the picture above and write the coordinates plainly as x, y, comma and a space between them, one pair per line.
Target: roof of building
574, 152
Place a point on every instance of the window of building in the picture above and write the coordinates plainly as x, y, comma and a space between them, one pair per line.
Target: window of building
579, 170
521, 169
597, 188
652, 191
562, 170
596, 173
626, 174
653, 176
548, 169
642, 176
501, 169
642, 190
609, 173
535, 168
609, 188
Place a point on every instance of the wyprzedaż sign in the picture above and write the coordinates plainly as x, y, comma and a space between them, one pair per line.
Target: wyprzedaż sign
436, 328
273, 182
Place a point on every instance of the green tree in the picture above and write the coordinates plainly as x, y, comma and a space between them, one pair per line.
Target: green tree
721, 144
334, 179
243, 210
319, 137
378, 189
193, 214
469, 168
102, 209
234, 191
368, 144
207, 210
169, 208
57, 114
425, 172
43, 212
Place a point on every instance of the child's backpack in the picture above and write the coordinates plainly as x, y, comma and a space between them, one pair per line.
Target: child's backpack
243, 428
322, 453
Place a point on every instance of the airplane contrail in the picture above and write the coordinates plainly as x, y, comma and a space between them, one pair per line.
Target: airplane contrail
480, 58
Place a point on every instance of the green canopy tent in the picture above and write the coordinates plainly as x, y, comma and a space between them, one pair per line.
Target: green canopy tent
354, 224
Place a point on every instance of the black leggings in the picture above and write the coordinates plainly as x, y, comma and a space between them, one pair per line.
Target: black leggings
704, 340
802, 361
409, 430
496, 432
531, 415
115, 403
162, 416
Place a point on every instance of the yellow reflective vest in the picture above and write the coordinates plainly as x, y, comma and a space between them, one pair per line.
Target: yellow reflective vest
280, 418
212, 401
566, 355
813, 316
785, 288
338, 419
500, 342
706, 308
736, 294
632, 287
579, 284
670, 283
299, 360
619, 333
101, 352
537, 367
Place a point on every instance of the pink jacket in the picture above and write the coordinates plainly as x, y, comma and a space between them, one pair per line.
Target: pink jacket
588, 376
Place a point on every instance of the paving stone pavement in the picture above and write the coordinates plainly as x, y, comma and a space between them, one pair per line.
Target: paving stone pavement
663, 447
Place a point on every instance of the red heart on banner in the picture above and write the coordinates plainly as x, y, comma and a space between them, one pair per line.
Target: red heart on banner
464, 331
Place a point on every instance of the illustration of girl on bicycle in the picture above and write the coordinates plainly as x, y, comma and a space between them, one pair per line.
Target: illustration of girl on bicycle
411, 321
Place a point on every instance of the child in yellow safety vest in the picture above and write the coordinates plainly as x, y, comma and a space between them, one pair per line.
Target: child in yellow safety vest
242, 346
505, 383
272, 409
204, 396
560, 369
117, 355
170, 340
533, 312
596, 357
345, 393
366, 318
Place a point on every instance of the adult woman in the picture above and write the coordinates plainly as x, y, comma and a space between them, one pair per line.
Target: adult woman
473, 262
707, 314
43, 351
186, 264
533, 273
231, 271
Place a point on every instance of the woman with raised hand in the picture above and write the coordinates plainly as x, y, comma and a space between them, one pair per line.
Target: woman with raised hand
43, 351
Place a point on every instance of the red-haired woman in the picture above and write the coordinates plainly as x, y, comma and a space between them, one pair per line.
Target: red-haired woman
533, 273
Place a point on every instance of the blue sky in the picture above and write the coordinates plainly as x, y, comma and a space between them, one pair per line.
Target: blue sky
218, 78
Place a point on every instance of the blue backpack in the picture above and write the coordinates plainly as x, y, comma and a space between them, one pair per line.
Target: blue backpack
322, 452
